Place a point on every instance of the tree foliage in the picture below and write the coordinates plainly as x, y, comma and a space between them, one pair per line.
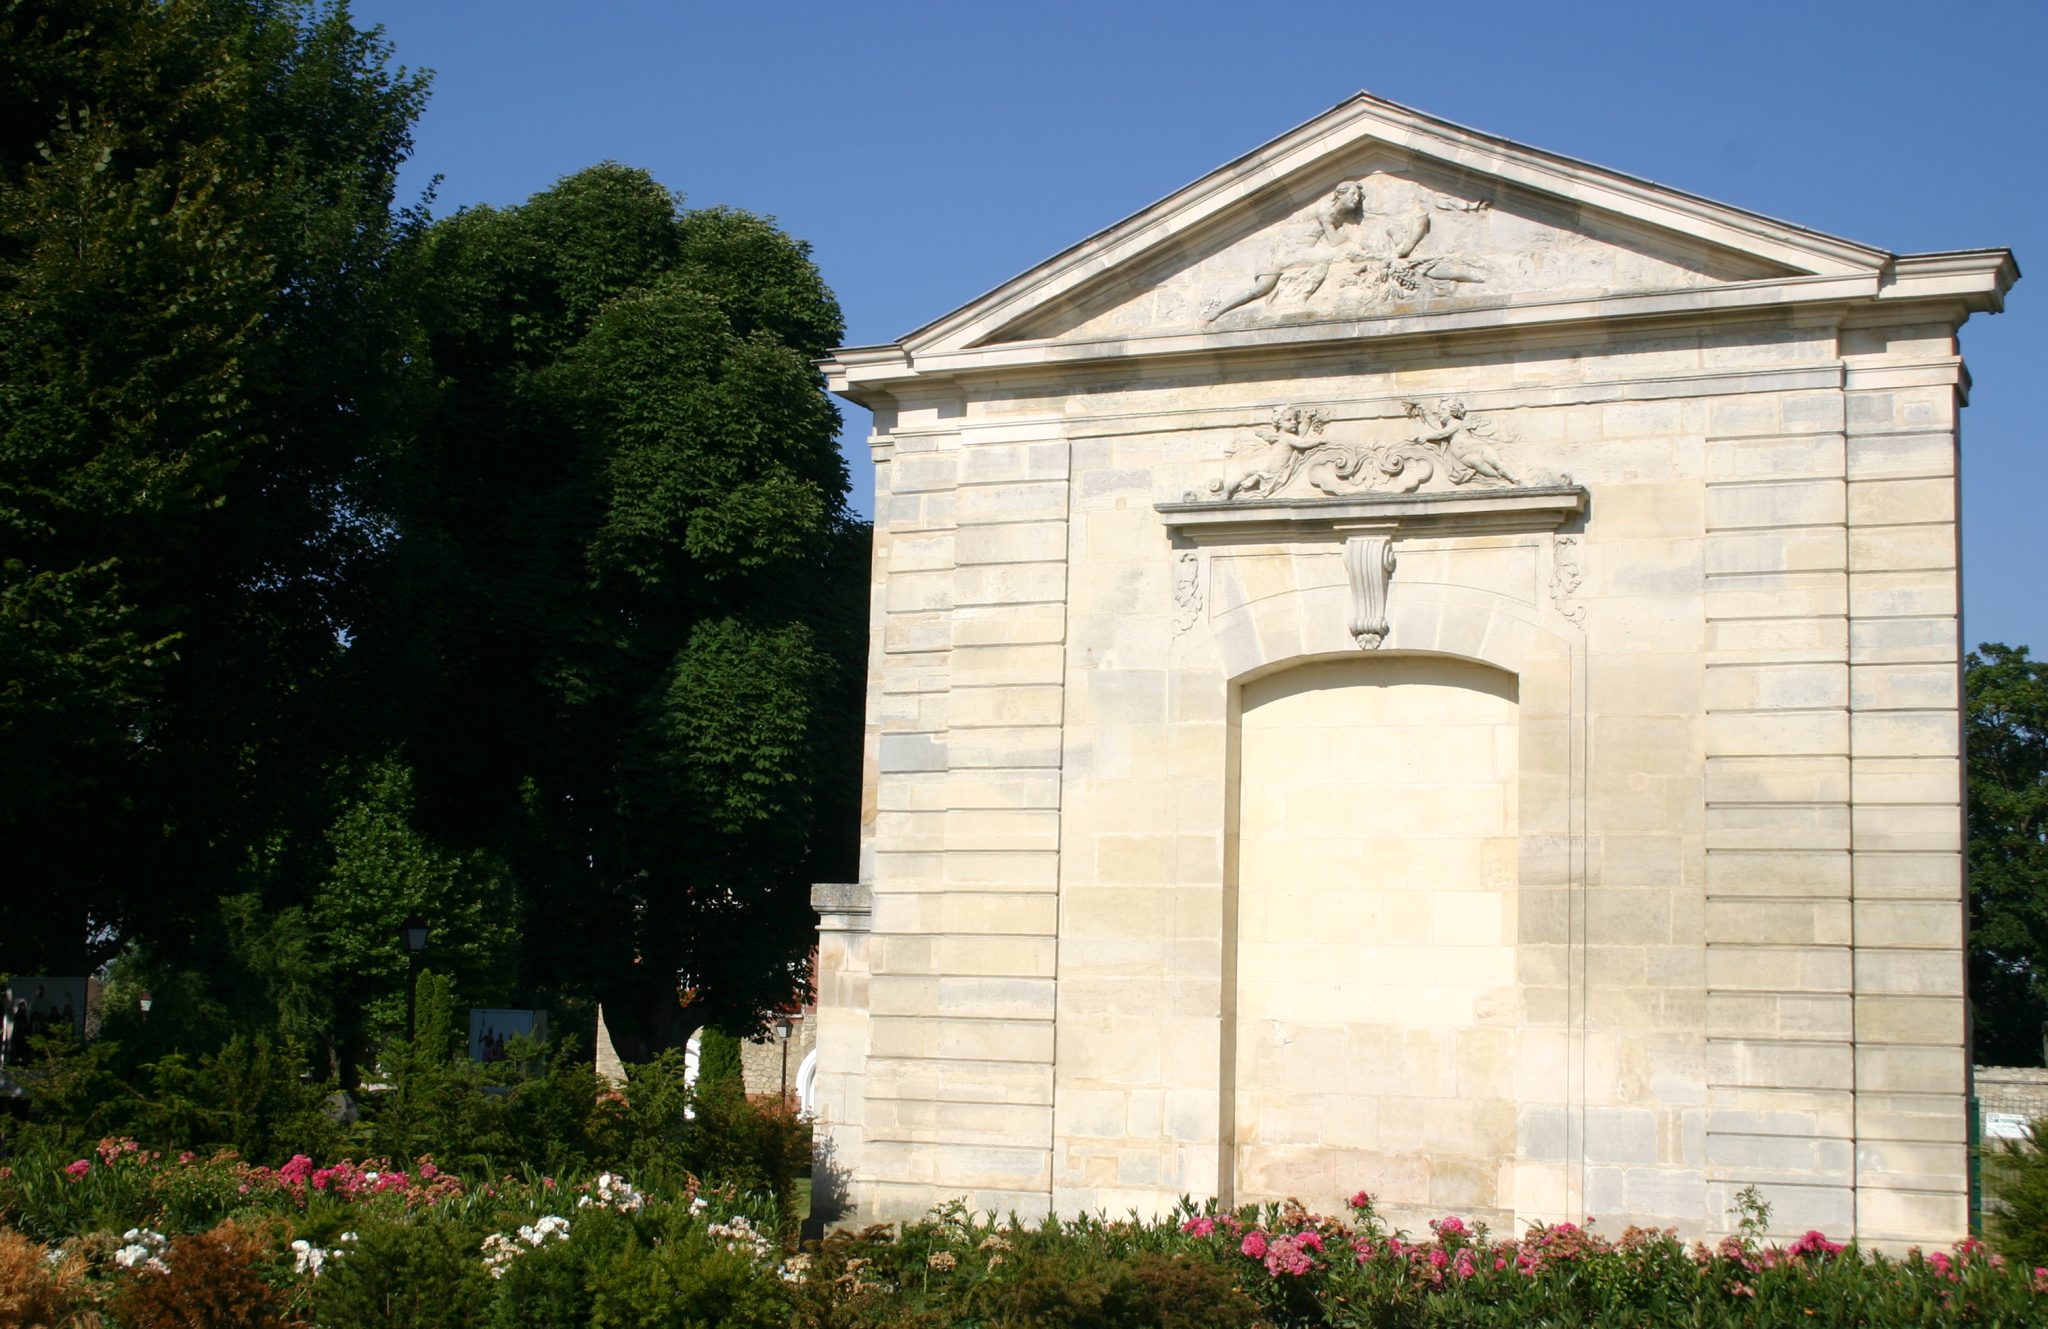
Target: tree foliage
201, 371
631, 607
2006, 726
352, 565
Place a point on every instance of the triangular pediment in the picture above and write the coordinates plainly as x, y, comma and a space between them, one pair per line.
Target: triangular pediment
1374, 211
1378, 234
1374, 221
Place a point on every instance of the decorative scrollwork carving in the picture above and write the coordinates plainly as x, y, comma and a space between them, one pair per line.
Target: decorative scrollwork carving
1187, 591
1565, 578
1449, 444
1452, 443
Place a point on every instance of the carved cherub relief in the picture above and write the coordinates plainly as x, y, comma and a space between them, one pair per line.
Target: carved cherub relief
1265, 462
1448, 442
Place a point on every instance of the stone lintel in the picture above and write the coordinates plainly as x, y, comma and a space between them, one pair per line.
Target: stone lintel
1529, 508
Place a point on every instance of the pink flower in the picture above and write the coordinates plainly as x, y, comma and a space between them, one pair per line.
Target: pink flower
186, 1156
1254, 1244
1465, 1266
1359, 1201
77, 1170
1311, 1241
295, 1172
1439, 1259
113, 1147
1364, 1251
1287, 1255
1447, 1227
1500, 1262
1815, 1243
1199, 1226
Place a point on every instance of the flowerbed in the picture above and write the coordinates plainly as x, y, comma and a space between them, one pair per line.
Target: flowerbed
127, 1237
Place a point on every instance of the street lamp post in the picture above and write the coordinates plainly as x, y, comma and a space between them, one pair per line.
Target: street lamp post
782, 1028
413, 932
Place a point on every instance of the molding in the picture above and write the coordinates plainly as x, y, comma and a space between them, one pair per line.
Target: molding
1486, 511
843, 906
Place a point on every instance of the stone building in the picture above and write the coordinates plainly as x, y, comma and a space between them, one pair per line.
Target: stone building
1420, 664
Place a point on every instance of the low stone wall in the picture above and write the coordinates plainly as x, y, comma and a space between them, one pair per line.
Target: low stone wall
761, 1060
2009, 1091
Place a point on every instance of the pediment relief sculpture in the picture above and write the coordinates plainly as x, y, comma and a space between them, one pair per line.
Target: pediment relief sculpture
1383, 244
1445, 446
1361, 255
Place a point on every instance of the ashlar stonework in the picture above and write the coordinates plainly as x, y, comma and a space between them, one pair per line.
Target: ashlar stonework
1417, 664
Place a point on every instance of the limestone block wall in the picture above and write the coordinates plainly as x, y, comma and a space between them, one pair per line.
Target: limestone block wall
965, 712
1730, 908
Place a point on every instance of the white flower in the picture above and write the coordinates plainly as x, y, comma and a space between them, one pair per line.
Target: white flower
307, 1258
130, 1256
614, 1192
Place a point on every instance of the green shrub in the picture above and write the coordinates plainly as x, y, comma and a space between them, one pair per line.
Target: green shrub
657, 1123
2017, 1175
685, 1281
549, 1286
718, 1062
417, 1272
249, 1097
751, 1144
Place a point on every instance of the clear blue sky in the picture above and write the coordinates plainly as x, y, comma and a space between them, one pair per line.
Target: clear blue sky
931, 151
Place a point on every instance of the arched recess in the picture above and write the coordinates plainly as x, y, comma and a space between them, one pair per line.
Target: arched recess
1415, 899
1376, 996
807, 1083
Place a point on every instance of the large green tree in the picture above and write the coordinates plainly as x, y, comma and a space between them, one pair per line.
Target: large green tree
630, 607
2006, 727
203, 381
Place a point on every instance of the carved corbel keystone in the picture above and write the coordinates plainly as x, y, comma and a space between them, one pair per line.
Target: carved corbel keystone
1368, 562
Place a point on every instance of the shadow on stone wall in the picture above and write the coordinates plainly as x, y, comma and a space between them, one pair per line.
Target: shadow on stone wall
829, 1186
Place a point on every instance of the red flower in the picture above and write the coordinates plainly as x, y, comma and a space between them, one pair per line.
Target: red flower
1254, 1244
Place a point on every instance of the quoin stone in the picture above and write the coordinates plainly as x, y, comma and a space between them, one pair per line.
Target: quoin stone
1421, 665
